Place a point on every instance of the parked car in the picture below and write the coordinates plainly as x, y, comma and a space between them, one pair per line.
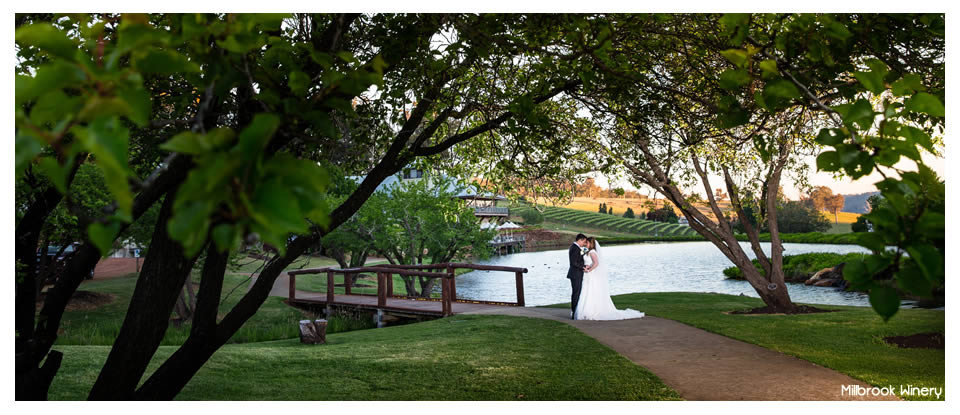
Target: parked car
53, 257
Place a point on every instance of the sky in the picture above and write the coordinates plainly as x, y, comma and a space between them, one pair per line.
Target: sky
791, 190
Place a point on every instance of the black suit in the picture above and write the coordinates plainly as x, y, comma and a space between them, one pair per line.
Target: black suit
575, 274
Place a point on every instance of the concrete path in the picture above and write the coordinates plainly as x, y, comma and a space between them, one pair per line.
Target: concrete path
705, 366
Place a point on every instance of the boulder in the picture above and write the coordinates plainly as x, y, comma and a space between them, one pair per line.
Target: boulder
826, 282
828, 277
313, 332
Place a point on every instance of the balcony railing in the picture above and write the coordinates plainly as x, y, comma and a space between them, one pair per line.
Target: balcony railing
500, 239
491, 211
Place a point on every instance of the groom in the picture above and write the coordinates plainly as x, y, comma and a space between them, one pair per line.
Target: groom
575, 274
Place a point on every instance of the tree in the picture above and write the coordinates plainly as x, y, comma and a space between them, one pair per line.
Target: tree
421, 222
629, 213
719, 194
821, 197
664, 214
724, 97
603, 208
672, 131
794, 217
835, 205
219, 120
880, 81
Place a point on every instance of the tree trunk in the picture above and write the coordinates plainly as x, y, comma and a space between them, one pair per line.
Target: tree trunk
168, 380
32, 380
411, 285
165, 270
426, 287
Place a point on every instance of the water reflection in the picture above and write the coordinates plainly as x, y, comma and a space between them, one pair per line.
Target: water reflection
644, 267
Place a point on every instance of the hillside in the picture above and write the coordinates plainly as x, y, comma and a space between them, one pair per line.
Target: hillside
609, 222
857, 203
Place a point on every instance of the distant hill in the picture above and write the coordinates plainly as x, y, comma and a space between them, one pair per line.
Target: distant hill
857, 203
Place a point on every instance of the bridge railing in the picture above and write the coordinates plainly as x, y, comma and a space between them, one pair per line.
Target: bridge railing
385, 289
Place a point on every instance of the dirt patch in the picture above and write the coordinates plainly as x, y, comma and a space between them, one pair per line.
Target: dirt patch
918, 341
82, 300
115, 267
801, 309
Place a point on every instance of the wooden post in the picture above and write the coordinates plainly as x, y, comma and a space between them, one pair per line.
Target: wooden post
382, 289
390, 286
520, 288
329, 287
292, 295
453, 282
347, 283
445, 297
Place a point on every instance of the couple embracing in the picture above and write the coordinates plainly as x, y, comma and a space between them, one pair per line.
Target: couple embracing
591, 294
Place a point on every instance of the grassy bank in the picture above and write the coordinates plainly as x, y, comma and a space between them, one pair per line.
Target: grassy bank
458, 358
799, 268
849, 340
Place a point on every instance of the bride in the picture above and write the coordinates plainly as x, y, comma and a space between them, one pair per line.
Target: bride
595, 302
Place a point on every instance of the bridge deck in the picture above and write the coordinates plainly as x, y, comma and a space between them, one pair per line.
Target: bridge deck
402, 305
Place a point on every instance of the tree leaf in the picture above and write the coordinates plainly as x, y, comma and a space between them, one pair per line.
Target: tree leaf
48, 38
738, 57
27, 148
102, 236
54, 171
907, 85
911, 280
257, 134
139, 104
873, 80
928, 259
781, 88
828, 161
885, 301
926, 103
164, 62
769, 68
733, 79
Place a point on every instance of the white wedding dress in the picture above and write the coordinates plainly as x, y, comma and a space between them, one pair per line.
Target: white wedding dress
595, 302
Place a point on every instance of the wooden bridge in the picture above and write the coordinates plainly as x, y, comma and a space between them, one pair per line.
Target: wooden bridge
386, 302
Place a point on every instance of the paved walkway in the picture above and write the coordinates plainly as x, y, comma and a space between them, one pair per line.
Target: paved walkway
705, 366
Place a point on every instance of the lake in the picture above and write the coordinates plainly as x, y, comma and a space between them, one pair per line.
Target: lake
644, 267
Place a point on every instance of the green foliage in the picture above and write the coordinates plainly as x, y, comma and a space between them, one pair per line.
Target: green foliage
799, 268
861, 225
795, 217
873, 130
412, 222
664, 214
629, 213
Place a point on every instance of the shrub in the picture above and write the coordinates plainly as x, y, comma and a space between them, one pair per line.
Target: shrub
629, 213
860, 225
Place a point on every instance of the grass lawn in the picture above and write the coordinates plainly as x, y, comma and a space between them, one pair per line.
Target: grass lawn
273, 321
849, 340
457, 358
839, 227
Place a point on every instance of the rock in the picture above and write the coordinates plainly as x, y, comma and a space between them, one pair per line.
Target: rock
825, 282
828, 277
313, 332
